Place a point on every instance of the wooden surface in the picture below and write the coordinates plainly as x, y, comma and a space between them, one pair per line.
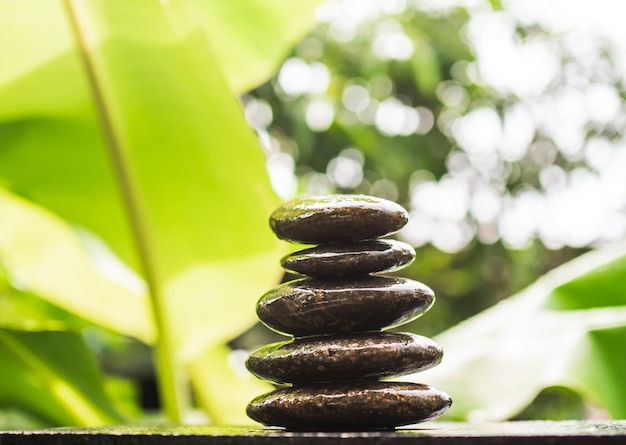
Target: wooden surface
432, 433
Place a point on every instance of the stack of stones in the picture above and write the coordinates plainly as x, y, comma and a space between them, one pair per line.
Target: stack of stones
329, 374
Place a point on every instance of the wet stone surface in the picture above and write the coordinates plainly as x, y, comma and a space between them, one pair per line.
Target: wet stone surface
356, 406
568, 432
349, 259
311, 306
339, 354
369, 355
337, 218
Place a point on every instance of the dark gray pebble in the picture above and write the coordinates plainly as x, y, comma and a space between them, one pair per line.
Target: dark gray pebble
311, 306
337, 218
348, 259
369, 355
357, 406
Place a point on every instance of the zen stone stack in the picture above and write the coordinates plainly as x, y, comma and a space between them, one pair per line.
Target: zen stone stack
330, 375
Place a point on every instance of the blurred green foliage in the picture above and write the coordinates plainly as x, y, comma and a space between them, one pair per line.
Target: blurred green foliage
498, 361
134, 196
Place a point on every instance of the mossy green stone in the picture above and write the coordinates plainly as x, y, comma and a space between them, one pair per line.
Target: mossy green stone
337, 218
349, 259
356, 406
312, 306
370, 355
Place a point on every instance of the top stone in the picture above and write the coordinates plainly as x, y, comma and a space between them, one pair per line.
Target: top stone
337, 218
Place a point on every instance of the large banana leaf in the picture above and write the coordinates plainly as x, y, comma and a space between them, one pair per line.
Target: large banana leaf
567, 329
115, 116
231, 385
54, 376
47, 258
251, 37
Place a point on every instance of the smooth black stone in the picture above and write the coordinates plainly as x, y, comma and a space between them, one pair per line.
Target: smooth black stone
362, 406
349, 259
311, 306
337, 218
369, 355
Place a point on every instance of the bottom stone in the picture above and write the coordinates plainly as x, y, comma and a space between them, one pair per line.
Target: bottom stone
356, 406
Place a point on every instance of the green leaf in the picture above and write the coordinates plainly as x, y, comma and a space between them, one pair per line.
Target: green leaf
16, 419
600, 287
53, 376
497, 362
187, 164
124, 394
224, 387
252, 37
196, 225
47, 257
249, 38
137, 138
51, 147
600, 370
23, 310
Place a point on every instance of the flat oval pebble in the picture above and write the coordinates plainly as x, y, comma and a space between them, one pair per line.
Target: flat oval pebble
348, 259
311, 306
357, 406
370, 355
337, 218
